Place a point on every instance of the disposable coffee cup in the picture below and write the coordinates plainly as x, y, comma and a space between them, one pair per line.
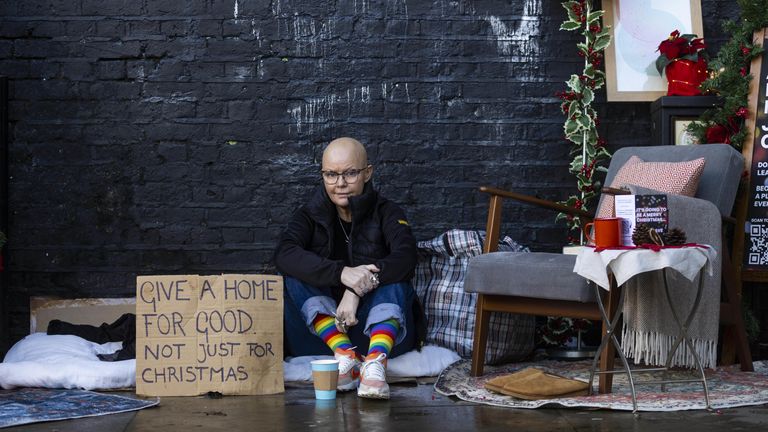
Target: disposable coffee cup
325, 405
325, 374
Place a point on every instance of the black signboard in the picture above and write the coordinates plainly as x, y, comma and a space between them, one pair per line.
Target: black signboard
756, 223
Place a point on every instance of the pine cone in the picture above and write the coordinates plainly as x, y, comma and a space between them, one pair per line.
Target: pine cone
640, 235
675, 237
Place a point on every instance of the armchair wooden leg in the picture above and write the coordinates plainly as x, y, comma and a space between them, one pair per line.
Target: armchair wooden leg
735, 332
482, 320
735, 342
608, 356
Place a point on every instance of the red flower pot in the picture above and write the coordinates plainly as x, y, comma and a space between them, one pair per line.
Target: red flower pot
685, 76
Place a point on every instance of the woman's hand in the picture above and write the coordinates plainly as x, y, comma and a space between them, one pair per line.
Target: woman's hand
362, 279
346, 312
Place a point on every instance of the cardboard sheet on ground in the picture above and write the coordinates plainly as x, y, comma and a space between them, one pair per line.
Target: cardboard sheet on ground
196, 334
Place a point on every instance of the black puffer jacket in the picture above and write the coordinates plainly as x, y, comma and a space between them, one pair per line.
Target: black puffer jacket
380, 235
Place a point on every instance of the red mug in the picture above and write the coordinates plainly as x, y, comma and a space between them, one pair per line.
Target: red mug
607, 232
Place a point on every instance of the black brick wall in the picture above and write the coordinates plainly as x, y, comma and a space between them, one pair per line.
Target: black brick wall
177, 136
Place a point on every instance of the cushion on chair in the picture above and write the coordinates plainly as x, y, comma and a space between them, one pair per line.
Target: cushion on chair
680, 178
537, 275
718, 182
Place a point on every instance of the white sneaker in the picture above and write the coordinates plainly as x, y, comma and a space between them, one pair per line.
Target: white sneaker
349, 369
373, 378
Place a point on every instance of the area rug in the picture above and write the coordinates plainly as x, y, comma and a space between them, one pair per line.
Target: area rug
728, 388
32, 405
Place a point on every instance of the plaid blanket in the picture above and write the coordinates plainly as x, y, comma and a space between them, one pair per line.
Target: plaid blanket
439, 283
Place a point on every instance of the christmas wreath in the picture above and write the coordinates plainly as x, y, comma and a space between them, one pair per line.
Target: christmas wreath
557, 331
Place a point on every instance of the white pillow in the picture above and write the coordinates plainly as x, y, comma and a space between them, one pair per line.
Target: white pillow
64, 361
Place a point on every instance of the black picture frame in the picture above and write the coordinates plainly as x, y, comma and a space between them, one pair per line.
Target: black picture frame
669, 115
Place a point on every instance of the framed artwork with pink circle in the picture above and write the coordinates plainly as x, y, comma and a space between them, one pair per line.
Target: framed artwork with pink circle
637, 28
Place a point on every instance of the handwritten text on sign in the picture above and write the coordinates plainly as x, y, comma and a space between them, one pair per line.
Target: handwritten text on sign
196, 334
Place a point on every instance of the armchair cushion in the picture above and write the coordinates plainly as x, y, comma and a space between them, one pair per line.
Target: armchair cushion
499, 273
680, 178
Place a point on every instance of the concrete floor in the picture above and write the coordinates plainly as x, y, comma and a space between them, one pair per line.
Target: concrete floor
412, 408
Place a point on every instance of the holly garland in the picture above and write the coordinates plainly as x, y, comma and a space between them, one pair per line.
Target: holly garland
559, 330
580, 128
731, 79
588, 149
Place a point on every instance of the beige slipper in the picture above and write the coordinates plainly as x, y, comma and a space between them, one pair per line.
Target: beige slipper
497, 384
534, 384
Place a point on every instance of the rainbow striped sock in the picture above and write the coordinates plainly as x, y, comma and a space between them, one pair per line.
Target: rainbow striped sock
325, 327
383, 337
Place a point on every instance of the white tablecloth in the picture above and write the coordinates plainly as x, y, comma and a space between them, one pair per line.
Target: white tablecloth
625, 263
649, 330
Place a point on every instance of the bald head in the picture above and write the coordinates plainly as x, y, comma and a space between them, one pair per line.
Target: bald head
345, 150
348, 159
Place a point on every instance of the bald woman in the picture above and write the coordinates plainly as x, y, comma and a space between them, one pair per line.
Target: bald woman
348, 256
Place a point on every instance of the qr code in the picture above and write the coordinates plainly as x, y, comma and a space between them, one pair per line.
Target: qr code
758, 251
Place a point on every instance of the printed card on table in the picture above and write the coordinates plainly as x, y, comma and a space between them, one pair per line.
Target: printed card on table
650, 210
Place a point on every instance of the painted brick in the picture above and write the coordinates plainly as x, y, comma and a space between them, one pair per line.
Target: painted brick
209, 27
46, 29
111, 70
252, 8
110, 8
48, 8
111, 28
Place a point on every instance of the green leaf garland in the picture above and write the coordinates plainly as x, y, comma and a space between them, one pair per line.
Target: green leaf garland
580, 127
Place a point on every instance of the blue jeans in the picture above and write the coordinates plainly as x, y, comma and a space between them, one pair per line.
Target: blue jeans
302, 303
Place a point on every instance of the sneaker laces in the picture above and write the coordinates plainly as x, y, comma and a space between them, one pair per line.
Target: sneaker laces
374, 369
347, 360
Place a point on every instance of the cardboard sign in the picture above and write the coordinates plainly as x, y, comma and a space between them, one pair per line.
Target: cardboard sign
196, 334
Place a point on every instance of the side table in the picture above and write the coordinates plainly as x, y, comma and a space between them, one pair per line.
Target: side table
611, 268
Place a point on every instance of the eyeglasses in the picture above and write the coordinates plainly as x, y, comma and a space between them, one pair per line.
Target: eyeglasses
350, 176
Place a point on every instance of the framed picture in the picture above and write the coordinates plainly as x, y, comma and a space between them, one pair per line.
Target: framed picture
682, 136
670, 115
637, 29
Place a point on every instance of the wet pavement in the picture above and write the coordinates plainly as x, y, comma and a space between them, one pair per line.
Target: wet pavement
412, 408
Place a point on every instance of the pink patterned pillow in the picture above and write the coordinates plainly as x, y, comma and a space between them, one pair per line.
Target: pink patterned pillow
681, 178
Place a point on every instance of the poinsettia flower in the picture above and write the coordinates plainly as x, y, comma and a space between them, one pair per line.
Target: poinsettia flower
698, 44
678, 46
717, 134
669, 47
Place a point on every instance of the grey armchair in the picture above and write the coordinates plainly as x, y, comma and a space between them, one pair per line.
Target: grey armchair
544, 283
